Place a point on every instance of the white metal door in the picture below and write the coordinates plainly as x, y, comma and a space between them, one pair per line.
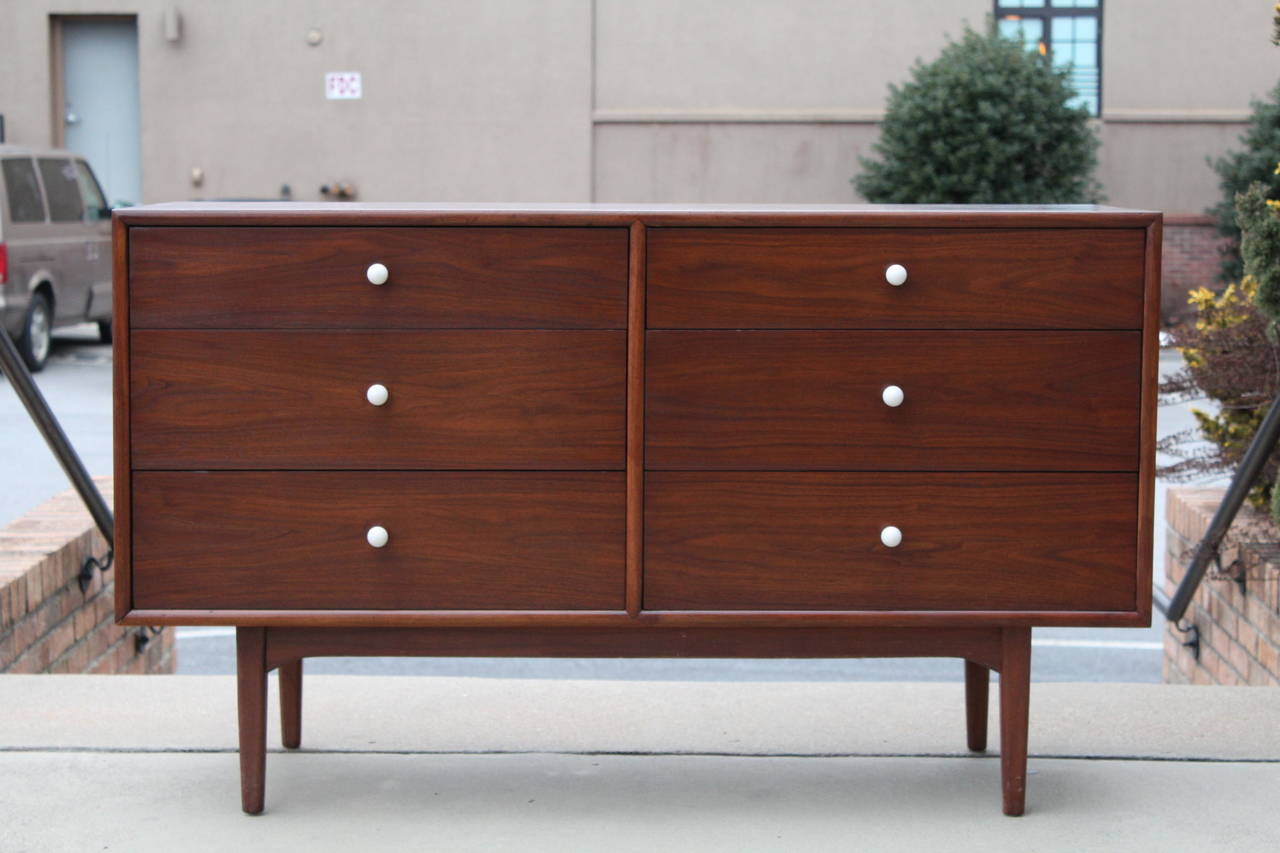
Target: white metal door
100, 79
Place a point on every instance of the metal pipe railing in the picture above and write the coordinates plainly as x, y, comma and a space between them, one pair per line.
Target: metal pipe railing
20, 378
1260, 449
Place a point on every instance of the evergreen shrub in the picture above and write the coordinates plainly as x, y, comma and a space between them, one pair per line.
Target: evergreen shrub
987, 122
1238, 170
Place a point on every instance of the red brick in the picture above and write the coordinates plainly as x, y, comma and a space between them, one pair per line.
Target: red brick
25, 665
52, 574
95, 585
1201, 674
1211, 636
8, 650
1263, 619
77, 657
26, 632
123, 653
83, 618
1269, 657
1223, 672
52, 645
1239, 660
1258, 675
97, 643
35, 589
18, 600
103, 608
105, 663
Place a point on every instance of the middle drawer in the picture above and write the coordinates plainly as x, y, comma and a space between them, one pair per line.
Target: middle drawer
500, 399
814, 400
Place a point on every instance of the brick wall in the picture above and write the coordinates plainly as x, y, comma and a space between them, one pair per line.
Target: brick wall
46, 623
1189, 259
1239, 630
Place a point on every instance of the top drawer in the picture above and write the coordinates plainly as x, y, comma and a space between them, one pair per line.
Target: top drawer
438, 277
797, 278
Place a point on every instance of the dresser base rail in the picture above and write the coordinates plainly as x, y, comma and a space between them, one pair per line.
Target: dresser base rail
1005, 650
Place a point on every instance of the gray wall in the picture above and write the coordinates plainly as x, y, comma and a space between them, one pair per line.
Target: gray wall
612, 100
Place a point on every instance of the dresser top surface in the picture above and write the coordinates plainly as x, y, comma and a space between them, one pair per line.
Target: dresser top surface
413, 213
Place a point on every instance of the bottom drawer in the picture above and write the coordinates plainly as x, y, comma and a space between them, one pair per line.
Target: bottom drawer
298, 540
810, 541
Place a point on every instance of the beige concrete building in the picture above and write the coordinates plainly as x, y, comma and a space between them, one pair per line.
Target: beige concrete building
573, 100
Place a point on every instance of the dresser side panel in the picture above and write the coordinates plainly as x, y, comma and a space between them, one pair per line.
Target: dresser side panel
122, 419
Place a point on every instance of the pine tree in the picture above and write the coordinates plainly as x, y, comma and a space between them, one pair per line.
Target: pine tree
1240, 169
987, 122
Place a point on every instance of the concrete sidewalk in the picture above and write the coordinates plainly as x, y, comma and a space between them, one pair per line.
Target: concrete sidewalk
149, 763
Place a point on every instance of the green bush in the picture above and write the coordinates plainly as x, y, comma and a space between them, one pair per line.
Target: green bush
987, 122
1232, 360
1240, 169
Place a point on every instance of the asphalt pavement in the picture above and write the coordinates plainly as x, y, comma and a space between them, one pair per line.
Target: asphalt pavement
77, 384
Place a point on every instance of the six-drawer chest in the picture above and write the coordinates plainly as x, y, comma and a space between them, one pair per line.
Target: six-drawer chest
634, 431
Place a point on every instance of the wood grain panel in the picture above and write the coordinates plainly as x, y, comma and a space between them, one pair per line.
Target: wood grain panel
796, 541
789, 278
296, 540
284, 644
812, 400
122, 464
458, 399
314, 277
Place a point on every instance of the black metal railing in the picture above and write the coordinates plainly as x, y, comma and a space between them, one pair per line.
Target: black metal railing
1206, 553
12, 366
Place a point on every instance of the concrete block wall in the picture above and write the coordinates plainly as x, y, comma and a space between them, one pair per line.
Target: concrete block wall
46, 623
1239, 629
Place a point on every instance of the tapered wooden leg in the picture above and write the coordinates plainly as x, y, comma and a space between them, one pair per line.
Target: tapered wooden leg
1015, 701
251, 679
291, 704
977, 684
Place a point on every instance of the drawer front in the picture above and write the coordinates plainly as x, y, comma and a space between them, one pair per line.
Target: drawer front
808, 541
554, 278
979, 401
795, 278
455, 399
298, 540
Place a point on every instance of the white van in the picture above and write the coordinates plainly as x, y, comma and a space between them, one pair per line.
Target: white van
55, 247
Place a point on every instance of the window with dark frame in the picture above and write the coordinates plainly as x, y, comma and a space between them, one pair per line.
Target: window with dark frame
1069, 32
61, 190
23, 190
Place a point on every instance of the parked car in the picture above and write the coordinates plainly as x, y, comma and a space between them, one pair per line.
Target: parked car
55, 248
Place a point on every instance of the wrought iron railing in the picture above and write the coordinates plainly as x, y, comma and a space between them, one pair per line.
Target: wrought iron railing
1207, 552
12, 366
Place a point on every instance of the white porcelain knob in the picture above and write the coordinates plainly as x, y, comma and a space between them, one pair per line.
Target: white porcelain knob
890, 537
896, 274
377, 536
377, 274
377, 394
892, 396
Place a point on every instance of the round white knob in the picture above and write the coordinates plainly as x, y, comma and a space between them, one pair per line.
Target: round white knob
377, 274
377, 536
892, 396
896, 274
377, 394
890, 537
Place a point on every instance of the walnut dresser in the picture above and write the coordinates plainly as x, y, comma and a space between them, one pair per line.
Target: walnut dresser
635, 431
